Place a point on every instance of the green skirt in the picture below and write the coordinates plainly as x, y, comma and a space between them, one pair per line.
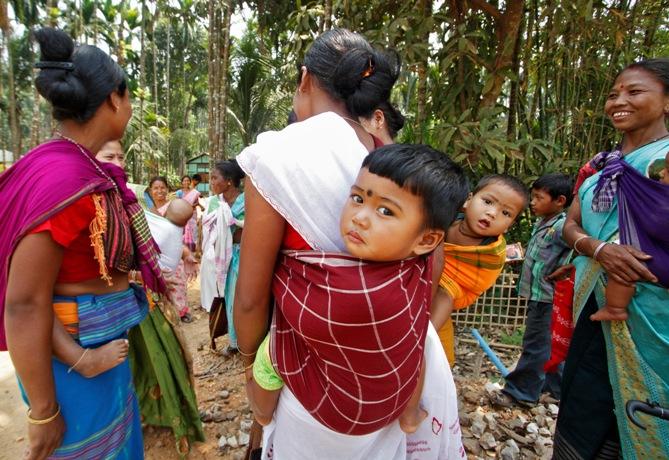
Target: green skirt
161, 373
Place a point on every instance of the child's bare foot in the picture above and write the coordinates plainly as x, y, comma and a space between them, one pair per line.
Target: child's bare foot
101, 359
410, 420
609, 313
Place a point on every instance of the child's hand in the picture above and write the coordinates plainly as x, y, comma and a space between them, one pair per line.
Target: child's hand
562, 272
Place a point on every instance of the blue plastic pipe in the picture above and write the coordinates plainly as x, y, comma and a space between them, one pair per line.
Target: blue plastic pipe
491, 354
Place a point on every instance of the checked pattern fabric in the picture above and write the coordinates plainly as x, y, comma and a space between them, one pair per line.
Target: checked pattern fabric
348, 336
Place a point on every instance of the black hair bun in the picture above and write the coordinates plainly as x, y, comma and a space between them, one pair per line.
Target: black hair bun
364, 79
62, 88
55, 45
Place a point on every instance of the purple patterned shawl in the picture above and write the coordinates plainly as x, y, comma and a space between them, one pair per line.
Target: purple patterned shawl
45, 181
643, 214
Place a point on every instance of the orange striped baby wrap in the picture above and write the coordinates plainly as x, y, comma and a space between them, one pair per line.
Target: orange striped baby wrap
468, 272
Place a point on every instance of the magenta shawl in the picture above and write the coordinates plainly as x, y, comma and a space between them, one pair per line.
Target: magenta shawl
45, 181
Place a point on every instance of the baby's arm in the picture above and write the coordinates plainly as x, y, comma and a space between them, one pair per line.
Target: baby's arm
441, 308
88, 362
265, 385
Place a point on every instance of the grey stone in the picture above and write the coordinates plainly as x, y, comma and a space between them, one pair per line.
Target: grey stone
488, 441
540, 420
511, 450
472, 446
239, 455
532, 428
545, 432
553, 409
232, 442
478, 428
538, 410
222, 442
243, 438
518, 423
225, 394
245, 425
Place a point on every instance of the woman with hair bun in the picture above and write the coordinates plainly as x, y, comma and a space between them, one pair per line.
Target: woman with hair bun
299, 180
65, 252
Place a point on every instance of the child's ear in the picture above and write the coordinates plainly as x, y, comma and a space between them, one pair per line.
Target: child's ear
430, 239
561, 200
469, 198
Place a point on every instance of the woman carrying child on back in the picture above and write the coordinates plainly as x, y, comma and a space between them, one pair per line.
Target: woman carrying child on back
294, 201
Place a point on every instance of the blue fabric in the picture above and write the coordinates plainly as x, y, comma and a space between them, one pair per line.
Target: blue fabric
528, 380
237, 209
104, 317
101, 414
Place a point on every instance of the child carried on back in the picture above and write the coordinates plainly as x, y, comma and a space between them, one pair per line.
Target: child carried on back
364, 367
475, 249
168, 233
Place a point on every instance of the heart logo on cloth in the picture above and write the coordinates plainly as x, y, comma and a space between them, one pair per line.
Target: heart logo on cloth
436, 426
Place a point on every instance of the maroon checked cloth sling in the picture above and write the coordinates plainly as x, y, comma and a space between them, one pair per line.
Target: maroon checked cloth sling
347, 335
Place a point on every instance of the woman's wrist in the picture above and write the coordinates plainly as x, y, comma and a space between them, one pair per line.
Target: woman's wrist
43, 409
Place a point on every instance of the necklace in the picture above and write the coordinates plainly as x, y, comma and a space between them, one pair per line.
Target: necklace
462, 232
81, 149
353, 121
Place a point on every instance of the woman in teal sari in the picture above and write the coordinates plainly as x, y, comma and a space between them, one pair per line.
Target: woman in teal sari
612, 362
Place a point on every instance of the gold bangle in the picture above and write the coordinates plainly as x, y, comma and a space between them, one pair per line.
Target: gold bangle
34, 421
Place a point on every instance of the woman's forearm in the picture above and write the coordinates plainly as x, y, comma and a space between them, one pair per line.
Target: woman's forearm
29, 329
260, 245
29, 318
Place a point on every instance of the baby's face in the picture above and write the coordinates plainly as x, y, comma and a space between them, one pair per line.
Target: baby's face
492, 210
380, 220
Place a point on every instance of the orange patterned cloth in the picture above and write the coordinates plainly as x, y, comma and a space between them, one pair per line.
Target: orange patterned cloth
469, 271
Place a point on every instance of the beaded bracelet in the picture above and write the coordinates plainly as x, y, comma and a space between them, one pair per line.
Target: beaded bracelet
598, 249
44, 421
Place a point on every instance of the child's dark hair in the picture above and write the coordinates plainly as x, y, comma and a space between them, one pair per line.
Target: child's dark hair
197, 177
426, 173
556, 184
76, 80
504, 179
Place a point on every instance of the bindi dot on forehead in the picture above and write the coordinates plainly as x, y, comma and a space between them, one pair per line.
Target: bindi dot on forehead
370, 193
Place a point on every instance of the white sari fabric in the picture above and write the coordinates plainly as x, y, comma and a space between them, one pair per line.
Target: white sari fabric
168, 237
305, 172
216, 250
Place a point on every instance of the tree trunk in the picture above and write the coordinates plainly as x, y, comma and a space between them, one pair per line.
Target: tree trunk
142, 83
11, 87
212, 92
223, 78
425, 7
513, 93
507, 25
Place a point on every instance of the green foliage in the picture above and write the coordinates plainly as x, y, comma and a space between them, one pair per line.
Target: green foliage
515, 338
